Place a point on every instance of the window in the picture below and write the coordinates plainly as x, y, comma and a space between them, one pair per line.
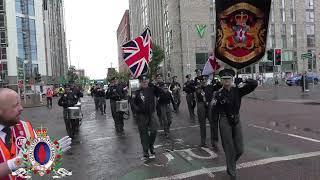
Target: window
213, 27
2, 5
310, 29
284, 41
283, 15
3, 38
293, 4
2, 20
18, 6
31, 7
311, 40
201, 59
309, 4
312, 63
283, 29
3, 53
293, 15
211, 15
283, 4
309, 16
293, 33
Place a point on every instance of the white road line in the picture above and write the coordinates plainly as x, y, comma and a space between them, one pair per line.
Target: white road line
239, 166
131, 135
305, 138
288, 134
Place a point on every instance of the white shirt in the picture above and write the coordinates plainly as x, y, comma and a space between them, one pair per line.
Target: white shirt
2, 134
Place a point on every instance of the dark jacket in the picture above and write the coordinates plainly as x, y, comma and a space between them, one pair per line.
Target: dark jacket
207, 92
68, 100
229, 102
116, 92
100, 93
144, 100
189, 87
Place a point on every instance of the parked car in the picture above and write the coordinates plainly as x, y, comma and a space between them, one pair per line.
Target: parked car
295, 80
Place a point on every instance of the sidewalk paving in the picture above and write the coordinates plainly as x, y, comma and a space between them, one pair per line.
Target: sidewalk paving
291, 94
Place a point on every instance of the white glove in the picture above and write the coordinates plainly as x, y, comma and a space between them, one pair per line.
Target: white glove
65, 143
15, 163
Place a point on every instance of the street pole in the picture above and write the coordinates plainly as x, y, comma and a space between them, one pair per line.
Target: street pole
304, 77
312, 71
69, 44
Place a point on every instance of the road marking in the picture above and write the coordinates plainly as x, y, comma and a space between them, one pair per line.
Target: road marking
288, 134
131, 135
239, 166
169, 157
192, 154
305, 138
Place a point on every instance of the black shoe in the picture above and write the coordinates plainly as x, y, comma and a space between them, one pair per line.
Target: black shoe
145, 157
203, 145
215, 148
233, 178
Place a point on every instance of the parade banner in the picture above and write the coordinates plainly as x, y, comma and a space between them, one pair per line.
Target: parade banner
42, 156
242, 27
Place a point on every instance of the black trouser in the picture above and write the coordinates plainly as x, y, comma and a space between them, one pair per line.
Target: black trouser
49, 102
96, 102
191, 104
102, 104
66, 119
232, 143
117, 116
203, 115
147, 125
177, 100
165, 117
158, 109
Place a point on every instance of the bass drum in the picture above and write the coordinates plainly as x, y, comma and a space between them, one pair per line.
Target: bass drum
74, 112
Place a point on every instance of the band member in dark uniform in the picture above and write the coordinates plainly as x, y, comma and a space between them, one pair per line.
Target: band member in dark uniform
226, 103
116, 92
189, 89
198, 78
175, 88
144, 105
159, 82
204, 95
165, 98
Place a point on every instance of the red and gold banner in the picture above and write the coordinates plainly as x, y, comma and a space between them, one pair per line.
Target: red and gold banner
242, 27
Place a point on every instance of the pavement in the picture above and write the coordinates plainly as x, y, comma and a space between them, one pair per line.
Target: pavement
287, 94
282, 142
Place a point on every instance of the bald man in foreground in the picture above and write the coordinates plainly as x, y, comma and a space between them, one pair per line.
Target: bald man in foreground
12, 130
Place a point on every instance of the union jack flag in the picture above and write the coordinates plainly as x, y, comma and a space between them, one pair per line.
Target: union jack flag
137, 53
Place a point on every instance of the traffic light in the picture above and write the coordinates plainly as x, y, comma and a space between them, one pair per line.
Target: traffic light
38, 78
270, 55
277, 57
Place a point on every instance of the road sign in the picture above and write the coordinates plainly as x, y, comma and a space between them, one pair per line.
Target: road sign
306, 56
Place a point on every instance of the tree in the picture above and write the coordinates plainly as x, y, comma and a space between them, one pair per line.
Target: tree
122, 76
72, 76
157, 58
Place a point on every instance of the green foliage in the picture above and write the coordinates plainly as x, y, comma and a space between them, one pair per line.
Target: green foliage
72, 76
157, 58
122, 76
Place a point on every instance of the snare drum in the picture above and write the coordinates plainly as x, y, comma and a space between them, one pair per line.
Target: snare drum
74, 112
122, 106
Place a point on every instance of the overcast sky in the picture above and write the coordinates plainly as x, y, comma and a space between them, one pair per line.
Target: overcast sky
92, 26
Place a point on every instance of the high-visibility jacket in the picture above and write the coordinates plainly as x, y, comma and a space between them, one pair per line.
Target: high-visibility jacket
19, 133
